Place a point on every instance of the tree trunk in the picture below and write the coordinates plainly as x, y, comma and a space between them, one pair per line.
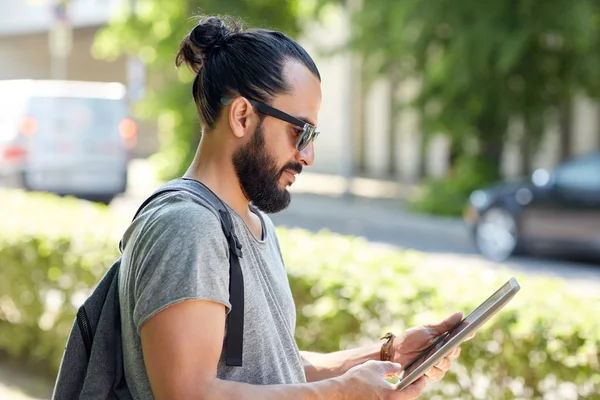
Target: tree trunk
565, 123
526, 159
422, 168
533, 135
491, 149
456, 150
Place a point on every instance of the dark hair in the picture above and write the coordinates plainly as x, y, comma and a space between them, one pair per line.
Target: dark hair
229, 61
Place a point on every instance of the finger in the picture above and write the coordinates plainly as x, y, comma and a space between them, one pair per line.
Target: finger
445, 325
413, 390
455, 354
444, 364
435, 374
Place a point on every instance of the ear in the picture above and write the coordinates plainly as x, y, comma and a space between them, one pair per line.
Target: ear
241, 117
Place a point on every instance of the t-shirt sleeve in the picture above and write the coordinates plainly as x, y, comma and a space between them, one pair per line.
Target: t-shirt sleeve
181, 254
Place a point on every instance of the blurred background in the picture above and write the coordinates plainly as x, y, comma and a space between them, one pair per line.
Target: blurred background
459, 146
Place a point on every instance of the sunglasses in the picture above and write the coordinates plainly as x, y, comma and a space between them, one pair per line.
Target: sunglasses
309, 132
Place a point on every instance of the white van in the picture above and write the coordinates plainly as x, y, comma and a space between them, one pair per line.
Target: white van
65, 137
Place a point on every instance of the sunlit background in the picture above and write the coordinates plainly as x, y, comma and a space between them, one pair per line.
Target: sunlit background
459, 146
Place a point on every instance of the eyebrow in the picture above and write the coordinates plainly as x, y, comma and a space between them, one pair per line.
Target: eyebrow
306, 120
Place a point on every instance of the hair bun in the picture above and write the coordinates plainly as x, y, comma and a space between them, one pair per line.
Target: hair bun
213, 32
209, 34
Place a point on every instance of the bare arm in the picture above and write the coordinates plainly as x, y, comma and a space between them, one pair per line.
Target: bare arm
320, 366
182, 345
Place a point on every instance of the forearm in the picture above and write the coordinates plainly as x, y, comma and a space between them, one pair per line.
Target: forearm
324, 366
327, 389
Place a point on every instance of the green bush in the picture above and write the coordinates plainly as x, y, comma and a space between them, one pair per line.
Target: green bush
347, 291
448, 195
545, 342
52, 252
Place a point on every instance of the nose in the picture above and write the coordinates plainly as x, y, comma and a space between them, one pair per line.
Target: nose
307, 155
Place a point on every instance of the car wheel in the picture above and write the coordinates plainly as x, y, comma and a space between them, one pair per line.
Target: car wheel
496, 234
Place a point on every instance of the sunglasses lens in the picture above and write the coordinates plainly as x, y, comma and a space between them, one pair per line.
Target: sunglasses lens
307, 135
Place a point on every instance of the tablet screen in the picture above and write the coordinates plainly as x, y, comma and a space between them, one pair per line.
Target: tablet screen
456, 329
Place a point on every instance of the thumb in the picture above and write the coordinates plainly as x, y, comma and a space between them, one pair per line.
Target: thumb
445, 325
388, 367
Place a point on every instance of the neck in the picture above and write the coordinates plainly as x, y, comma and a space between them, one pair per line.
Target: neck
215, 170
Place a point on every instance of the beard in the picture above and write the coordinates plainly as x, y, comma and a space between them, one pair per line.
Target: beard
259, 175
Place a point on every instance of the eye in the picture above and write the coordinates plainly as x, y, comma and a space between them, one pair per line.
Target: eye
298, 131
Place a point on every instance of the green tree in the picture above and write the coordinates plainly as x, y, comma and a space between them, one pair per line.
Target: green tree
481, 65
153, 33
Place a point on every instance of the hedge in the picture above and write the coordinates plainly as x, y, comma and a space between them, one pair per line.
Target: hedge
52, 251
545, 344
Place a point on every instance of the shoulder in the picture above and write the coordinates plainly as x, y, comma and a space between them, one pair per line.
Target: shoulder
180, 211
176, 216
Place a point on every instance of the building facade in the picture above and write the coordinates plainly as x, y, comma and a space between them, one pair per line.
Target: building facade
355, 122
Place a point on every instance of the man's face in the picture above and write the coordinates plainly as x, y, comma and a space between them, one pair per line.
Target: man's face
260, 174
267, 164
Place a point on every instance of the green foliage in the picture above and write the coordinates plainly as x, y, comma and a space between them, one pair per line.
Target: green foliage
347, 292
154, 34
482, 63
52, 251
448, 195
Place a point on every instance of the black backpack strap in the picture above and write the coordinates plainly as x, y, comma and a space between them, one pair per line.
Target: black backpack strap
234, 342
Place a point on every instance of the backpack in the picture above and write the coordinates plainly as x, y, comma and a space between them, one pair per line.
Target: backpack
92, 363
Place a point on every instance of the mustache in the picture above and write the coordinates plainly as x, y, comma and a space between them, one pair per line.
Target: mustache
292, 166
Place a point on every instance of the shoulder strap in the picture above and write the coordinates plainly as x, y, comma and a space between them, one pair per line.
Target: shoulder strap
235, 319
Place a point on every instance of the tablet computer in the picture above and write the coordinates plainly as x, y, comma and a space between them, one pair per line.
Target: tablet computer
456, 335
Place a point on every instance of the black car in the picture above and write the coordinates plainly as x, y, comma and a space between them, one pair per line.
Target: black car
553, 212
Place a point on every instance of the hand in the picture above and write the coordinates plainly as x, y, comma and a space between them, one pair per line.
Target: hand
366, 381
412, 342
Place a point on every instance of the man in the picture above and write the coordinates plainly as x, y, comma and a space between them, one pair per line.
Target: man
258, 96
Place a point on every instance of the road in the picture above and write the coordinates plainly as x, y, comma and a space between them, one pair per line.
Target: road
444, 240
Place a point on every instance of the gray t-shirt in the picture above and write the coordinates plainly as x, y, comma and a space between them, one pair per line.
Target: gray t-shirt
176, 251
